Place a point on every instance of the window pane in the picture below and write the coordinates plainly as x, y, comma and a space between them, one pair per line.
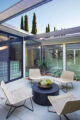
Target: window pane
15, 60
32, 57
4, 54
53, 55
73, 59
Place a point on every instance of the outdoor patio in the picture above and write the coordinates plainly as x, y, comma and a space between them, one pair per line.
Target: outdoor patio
53, 52
40, 112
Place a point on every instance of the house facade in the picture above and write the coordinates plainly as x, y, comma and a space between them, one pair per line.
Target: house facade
20, 51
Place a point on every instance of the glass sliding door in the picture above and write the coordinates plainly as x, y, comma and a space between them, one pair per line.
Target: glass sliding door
73, 59
4, 63
32, 57
15, 60
54, 57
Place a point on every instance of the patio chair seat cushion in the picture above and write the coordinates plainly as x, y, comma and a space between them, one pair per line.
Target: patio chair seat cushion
58, 102
20, 95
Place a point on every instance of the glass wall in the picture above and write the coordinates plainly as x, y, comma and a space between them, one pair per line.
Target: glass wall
4, 62
54, 59
15, 60
73, 59
11, 58
33, 57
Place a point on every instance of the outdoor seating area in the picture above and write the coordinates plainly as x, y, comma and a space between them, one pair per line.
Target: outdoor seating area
41, 112
39, 60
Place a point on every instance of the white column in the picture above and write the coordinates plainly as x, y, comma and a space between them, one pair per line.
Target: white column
24, 60
40, 51
64, 56
57, 57
74, 56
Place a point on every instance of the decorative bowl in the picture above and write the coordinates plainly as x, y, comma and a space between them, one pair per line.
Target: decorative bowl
45, 84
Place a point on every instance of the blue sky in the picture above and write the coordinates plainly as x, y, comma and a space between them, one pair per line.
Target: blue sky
58, 13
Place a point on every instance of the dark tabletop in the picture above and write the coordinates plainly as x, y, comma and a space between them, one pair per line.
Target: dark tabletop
53, 89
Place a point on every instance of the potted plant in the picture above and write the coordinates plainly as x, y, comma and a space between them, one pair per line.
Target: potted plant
43, 65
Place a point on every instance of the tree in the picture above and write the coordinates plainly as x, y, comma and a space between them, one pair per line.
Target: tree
22, 25
48, 28
54, 28
26, 26
34, 24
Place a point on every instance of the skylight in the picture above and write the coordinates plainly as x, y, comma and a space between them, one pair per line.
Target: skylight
7, 3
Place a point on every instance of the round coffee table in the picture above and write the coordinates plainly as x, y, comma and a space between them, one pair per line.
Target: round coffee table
40, 95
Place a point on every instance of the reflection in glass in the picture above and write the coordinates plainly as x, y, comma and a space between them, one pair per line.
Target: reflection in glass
53, 55
73, 59
32, 57
15, 60
4, 54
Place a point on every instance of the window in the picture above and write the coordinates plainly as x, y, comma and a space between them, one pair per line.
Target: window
54, 57
73, 58
4, 63
15, 60
32, 57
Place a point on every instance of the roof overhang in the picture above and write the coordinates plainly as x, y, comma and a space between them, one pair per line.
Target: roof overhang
20, 7
75, 38
13, 30
62, 32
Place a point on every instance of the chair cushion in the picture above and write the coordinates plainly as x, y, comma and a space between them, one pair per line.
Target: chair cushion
21, 94
58, 102
7, 92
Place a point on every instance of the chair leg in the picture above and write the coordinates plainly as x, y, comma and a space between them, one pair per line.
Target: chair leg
31, 109
66, 117
72, 85
65, 89
31, 83
53, 112
32, 104
60, 117
11, 110
49, 110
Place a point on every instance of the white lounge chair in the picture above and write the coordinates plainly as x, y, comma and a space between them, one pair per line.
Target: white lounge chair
16, 97
34, 75
64, 104
66, 78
